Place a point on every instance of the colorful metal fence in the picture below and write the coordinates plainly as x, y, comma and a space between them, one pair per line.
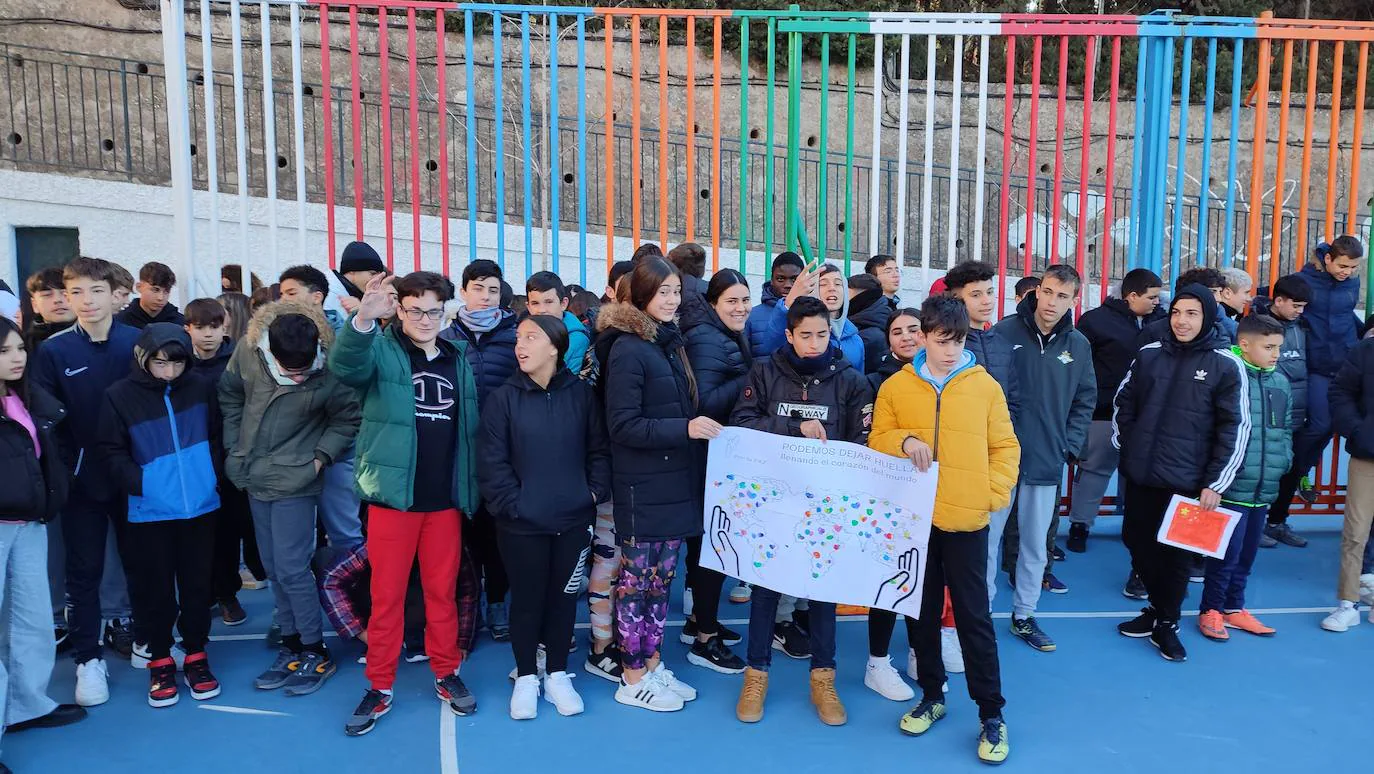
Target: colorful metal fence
911, 98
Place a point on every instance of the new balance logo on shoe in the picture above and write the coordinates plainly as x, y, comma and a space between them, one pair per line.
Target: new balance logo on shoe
1200, 376
70, 372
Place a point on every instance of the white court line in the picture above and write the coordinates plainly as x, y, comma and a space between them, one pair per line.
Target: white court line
852, 618
232, 710
448, 740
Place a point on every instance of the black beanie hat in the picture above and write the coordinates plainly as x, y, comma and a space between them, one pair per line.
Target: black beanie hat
359, 256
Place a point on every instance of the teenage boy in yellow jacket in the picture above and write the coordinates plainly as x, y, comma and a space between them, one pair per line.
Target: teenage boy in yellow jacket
944, 407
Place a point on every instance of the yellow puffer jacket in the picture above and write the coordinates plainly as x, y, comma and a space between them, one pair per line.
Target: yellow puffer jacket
968, 427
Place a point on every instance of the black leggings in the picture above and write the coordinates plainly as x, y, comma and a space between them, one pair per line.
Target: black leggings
706, 585
480, 536
880, 626
546, 575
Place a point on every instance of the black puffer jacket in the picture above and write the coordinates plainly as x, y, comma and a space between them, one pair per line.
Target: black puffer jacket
526, 487
35, 487
888, 365
1113, 329
992, 351
1352, 401
211, 369
720, 360
778, 398
1292, 357
656, 470
1182, 418
870, 312
491, 355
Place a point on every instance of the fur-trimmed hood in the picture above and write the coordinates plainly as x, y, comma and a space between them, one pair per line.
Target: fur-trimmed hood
627, 318
264, 317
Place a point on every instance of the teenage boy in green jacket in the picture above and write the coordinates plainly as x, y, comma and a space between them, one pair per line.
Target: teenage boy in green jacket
415, 470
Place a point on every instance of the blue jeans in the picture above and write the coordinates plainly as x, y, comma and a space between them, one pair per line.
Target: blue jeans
763, 610
1224, 589
338, 506
26, 651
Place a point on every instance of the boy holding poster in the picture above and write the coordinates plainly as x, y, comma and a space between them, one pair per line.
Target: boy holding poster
807, 389
1182, 423
944, 407
1267, 457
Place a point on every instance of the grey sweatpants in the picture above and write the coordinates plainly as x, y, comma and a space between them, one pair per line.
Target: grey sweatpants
286, 543
1036, 507
1095, 469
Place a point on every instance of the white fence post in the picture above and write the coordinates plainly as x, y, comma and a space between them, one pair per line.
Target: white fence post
179, 140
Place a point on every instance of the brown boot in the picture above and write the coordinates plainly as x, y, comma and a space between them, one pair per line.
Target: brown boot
823, 695
751, 696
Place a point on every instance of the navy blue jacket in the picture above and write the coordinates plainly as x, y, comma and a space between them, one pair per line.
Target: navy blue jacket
211, 369
546, 462
159, 438
720, 359
1057, 392
491, 355
35, 486
1352, 401
760, 317
656, 470
1113, 330
77, 371
1331, 317
1292, 357
993, 352
1182, 418
134, 316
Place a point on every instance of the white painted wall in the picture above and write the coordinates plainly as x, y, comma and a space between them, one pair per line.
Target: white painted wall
131, 224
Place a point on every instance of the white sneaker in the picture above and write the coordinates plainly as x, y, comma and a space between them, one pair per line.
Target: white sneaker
92, 683
524, 699
882, 677
951, 652
670, 681
249, 582
559, 691
741, 594
541, 660
686, 603
911, 668
1341, 618
139, 658
1367, 589
649, 693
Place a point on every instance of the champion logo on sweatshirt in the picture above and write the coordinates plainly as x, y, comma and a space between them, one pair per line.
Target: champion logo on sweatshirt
433, 396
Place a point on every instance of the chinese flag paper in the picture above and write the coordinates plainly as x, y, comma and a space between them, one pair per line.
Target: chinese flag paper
1187, 526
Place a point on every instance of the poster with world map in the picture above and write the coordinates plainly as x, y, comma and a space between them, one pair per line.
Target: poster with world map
829, 521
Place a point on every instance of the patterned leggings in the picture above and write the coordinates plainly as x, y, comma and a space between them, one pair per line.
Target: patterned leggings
604, 570
641, 598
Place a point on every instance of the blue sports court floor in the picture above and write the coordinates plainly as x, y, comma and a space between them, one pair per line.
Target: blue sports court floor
1301, 701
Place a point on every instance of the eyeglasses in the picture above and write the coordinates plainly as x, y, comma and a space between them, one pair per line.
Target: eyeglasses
415, 314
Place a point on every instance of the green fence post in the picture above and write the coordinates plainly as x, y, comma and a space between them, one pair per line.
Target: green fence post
794, 67
849, 161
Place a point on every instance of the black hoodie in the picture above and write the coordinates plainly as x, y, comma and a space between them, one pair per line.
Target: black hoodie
870, 312
212, 368
135, 315
1113, 330
546, 461
1182, 416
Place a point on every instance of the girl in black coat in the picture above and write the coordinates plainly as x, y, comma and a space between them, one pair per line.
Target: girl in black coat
35, 486
657, 464
544, 504
718, 352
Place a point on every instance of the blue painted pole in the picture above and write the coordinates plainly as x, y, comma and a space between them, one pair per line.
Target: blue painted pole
472, 136
582, 150
555, 174
499, 137
1228, 237
1138, 150
528, 146
1180, 178
1205, 195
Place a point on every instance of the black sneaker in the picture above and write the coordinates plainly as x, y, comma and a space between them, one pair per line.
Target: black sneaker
310, 673
802, 618
1057, 553
374, 705
1285, 535
1135, 588
452, 691
231, 612
276, 675
1029, 630
1078, 538
1165, 637
1139, 627
1306, 491
1053, 585
119, 636
605, 664
690, 632
788, 638
715, 656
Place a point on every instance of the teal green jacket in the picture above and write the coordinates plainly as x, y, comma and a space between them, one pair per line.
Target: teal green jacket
1269, 452
377, 365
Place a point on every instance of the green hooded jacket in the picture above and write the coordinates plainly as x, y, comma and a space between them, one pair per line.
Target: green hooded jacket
1269, 453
